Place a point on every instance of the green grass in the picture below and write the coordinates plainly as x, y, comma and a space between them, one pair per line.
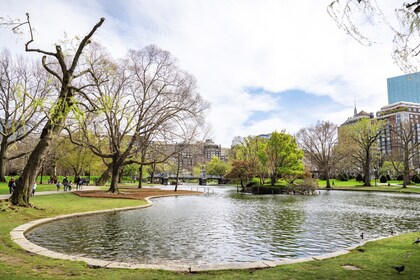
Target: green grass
396, 186
4, 189
375, 259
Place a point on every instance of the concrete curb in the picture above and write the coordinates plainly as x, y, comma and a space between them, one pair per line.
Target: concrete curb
18, 236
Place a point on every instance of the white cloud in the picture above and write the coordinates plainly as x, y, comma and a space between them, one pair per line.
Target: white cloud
232, 45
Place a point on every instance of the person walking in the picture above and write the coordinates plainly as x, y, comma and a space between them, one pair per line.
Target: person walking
65, 183
12, 185
34, 188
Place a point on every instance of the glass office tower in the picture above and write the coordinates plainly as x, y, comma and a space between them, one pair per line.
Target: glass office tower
404, 88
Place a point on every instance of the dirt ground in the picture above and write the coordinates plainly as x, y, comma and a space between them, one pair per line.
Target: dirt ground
133, 193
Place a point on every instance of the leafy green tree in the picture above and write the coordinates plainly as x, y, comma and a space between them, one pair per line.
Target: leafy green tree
252, 149
217, 167
242, 170
284, 158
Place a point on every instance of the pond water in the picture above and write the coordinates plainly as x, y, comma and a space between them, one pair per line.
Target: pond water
227, 227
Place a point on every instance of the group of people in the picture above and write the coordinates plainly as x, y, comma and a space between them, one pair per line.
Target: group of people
12, 186
67, 185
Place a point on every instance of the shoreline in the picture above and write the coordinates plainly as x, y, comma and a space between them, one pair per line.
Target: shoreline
18, 236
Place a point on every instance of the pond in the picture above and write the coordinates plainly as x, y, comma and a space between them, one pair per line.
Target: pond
227, 227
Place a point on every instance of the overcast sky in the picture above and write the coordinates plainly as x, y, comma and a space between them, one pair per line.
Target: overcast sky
263, 65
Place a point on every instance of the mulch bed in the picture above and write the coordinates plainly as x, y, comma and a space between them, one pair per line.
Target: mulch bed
133, 193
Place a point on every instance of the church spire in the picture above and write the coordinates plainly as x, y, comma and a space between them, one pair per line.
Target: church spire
355, 110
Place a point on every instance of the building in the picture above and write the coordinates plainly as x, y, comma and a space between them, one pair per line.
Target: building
357, 117
210, 149
404, 88
394, 115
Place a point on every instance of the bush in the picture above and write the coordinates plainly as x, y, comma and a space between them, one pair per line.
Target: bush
400, 178
388, 177
415, 179
307, 186
342, 177
383, 179
359, 178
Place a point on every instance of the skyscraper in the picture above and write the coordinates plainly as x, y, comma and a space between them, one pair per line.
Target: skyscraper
404, 88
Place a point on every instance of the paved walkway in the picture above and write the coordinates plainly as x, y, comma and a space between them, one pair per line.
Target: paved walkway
85, 188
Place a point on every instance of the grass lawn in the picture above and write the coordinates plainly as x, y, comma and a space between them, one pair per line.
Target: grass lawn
4, 189
396, 186
374, 259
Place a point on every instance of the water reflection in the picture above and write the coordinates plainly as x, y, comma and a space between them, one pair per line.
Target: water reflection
229, 227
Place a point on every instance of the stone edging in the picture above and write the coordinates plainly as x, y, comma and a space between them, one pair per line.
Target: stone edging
18, 236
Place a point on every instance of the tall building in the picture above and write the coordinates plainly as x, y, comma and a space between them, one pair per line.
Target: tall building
404, 88
394, 115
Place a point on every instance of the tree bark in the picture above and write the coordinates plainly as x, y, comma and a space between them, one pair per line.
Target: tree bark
406, 172
367, 168
22, 191
327, 179
114, 178
3, 160
104, 177
140, 176
152, 174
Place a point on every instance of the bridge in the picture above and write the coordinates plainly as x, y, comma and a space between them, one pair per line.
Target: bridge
165, 178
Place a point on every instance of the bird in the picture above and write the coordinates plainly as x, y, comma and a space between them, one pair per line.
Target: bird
362, 235
417, 241
399, 268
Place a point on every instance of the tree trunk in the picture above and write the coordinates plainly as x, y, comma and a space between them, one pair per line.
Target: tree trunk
177, 173
327, 179
406, 172
3, 160
152, 174
114, 178
42, 173
22, 191
105, 176
140, 176
367, 169
120, 176
273, 179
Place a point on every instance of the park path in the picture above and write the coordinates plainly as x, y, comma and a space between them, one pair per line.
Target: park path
85, 188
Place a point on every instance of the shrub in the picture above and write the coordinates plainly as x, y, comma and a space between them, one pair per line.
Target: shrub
342, 177
307, 186
359, 178
415, 179
400, 178
388, 177
383, 179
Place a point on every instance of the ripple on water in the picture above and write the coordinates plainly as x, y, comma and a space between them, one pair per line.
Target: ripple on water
230, 228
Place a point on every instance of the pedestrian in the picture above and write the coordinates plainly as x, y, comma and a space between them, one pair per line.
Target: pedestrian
58, 186
12, 185
69, 186
65, 183
34, 188
333, 184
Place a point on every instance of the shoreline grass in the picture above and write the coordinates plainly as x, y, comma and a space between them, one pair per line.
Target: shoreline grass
374, 259
353, 185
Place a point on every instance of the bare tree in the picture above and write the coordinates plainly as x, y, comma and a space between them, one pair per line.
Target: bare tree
364, 134
319, 144
23, 88
407, 147
64, 68
353, 16
135, 99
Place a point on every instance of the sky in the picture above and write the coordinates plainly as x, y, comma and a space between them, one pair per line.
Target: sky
262, 65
